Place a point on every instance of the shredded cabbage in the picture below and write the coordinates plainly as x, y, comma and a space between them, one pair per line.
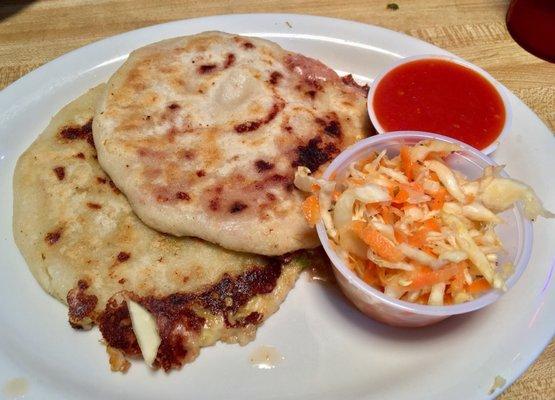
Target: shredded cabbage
501, 193
447, 178
478, 212
349, 241
436, 295
395, 175
420, 231
421, 256
386, 229
404, 266
430, 186
454, 256
421, 150
369, 193
467, 244
303, 181
393, 291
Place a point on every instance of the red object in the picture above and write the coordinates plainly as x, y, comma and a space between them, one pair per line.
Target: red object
531, 23
442, 97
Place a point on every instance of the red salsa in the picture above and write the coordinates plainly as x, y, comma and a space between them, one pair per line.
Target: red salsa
441, 97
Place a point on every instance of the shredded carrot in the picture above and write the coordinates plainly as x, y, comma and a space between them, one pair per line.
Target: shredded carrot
311, 209
335, 195
434, 155
333, 176
356, 181
357, 226
431, 224
377, 242
458, 282
421, 269
400, 236
434, 177
439, 198
387, 216
370, 275
479, 285
418, 239
428, 250
423, 298
315, 187
391, 190
401, 196
428, 278
406, 163
372, 208
416, 186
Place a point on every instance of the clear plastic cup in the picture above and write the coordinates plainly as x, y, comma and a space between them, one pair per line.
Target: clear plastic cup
515, 234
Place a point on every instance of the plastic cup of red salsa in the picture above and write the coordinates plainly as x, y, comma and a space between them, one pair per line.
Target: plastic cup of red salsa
443, 95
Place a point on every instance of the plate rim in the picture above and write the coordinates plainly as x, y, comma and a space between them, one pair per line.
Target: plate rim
66, 58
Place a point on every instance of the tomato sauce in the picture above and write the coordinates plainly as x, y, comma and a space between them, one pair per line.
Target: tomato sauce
441, 97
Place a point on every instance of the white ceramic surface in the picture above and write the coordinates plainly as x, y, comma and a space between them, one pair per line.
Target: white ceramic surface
331, 350
500, 89
515, 233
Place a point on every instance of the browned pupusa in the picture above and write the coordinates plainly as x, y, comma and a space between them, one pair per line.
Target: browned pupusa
203, 134
86, 247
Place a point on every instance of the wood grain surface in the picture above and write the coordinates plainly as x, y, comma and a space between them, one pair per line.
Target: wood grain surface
34, 32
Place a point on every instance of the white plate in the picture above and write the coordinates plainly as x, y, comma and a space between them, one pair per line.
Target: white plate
330, 349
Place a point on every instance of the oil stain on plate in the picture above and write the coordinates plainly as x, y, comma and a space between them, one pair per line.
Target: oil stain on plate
321, 273
266, 357
15, 388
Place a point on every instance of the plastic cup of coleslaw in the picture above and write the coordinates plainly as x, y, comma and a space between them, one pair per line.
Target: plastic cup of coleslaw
515, 234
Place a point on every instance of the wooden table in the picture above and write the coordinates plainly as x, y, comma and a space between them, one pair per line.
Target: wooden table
33, 33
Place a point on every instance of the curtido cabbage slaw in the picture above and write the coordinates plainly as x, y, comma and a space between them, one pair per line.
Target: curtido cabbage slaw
415, 229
